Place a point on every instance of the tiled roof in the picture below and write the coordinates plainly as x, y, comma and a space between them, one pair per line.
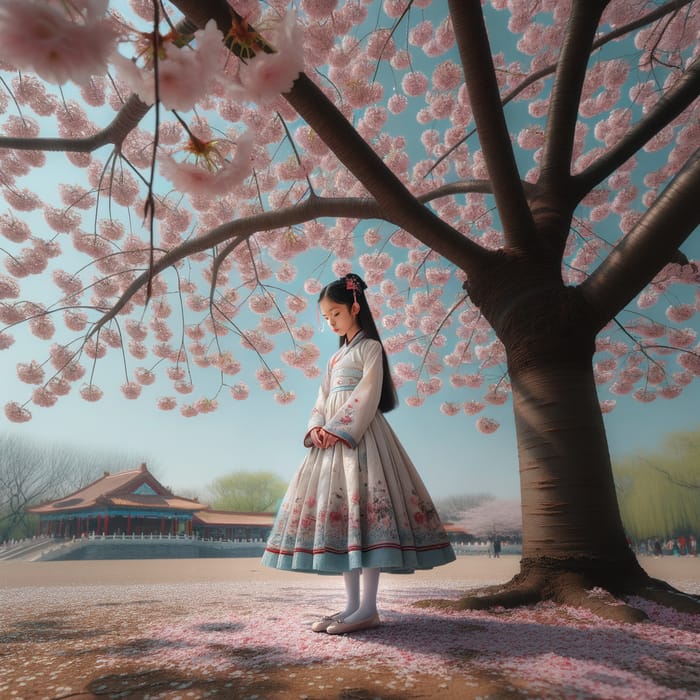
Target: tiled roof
455, 529
222, 518
137, 488
175, 503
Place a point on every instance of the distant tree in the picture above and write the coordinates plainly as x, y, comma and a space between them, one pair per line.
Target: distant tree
659, 491
31, 472
493, 518
247, 492
452, 508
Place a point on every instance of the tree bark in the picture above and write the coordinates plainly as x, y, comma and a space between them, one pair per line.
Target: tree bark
568, 499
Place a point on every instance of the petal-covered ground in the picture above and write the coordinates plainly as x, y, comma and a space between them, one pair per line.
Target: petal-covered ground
252, 639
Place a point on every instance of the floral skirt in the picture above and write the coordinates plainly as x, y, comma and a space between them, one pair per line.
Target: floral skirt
358, 508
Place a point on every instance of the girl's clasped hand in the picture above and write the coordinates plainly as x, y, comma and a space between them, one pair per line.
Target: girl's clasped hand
322, 438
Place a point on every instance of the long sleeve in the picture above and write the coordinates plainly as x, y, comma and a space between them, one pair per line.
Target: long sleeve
317, 419
356, 413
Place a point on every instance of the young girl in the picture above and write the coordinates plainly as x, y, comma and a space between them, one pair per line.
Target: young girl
357, 503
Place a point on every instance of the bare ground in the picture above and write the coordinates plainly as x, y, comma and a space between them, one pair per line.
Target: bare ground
229, 628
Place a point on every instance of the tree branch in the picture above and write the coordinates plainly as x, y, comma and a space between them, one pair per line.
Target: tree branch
131, 113
566, 92
651, 244
475, 53
393, 198
312, 208
669, 106
672, 6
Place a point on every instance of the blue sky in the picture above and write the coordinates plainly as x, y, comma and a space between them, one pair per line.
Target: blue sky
258, 434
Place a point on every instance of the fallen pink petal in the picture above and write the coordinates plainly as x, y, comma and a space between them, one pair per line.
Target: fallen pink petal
230, 628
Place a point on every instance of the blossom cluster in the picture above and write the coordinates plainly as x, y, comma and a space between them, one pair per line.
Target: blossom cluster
78, 41
232, 152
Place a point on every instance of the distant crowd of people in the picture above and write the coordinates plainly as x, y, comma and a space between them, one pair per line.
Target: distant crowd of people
674, 546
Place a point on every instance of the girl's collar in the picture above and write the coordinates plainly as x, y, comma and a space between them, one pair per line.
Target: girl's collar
358, 336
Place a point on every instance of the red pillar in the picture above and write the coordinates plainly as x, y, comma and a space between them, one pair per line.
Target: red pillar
105, 530
128, 524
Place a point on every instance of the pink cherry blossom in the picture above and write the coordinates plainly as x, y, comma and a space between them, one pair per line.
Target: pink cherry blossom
450, 409
144, 376
72, 372
6, 340
14, 229
95, 349
266, 75
9, 289
183, 387
397, 104
680, 312
42, 326
40, 37
415, 401
131, 390
240, 391
198, 179
58, 386
495, 396
670, 391
166, 403
269, 379
285, 397
681, 337
644, 395
414, 83
30, 373
487, 425
607, 405
473, 407
180, 71
91, 392
16, 413
205, 405
22, 200
690, 361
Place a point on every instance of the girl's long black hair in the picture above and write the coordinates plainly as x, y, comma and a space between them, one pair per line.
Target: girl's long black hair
347, 290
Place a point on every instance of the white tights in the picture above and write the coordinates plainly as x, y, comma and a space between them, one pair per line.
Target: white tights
358, 607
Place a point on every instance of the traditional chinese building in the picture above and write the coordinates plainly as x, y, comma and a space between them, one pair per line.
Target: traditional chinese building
134, 503
225, 525
130, 502
456, 534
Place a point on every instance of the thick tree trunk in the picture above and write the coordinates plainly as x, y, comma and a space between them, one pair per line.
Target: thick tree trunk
568, 495
575, 551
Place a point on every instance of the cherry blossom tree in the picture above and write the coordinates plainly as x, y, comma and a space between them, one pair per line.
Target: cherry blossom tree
515, 180
493, 518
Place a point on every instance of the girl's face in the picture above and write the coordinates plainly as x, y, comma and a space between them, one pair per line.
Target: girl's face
341, 317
